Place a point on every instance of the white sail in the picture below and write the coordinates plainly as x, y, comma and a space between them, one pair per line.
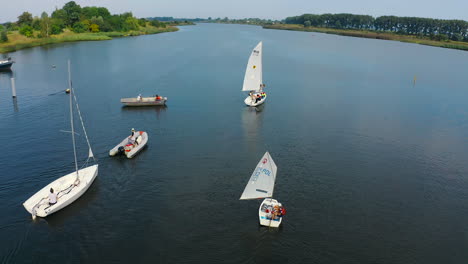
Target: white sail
262, 181
253, 73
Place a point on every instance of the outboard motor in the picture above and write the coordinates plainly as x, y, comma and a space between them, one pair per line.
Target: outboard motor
121, 150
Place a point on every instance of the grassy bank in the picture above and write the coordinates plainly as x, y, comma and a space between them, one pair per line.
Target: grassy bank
17, 41
375, 35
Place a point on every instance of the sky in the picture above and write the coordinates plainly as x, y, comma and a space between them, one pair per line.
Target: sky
268, 9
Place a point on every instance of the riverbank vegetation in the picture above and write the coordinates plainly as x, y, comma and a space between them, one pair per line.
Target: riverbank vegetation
426, 31
243, 21
375, 35
175, 21
74, 23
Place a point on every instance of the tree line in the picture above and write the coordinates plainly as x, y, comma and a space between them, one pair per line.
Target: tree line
437, 29
77, 19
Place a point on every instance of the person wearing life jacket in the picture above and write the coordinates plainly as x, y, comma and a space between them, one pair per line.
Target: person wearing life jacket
282, 210
259, 97
158, 98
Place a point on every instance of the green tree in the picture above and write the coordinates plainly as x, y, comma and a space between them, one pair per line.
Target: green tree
45, 25
36, 24
25, 19
103, 12
307, 23
142, 22
155, 23
3, 36
457, 37
55, 29
26, 30
88, 12
56, 26
87, 24
97, 20
131, 23
59, 14
73, 11
79, 27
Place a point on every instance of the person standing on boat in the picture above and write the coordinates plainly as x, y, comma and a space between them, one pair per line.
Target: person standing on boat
134, 137
52, 197
139, 97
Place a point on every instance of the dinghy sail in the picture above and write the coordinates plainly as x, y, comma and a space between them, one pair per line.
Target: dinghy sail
253, 72
262, 181
253, 80
70, 187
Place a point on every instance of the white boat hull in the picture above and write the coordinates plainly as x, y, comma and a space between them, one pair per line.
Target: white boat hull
38, 204
135, 149
266, 218
249, 101
144, 101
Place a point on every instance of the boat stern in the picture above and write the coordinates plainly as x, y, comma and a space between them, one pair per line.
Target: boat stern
265, 215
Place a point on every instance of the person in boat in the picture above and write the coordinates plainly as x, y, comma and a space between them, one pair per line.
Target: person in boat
52, 197
252, 95
132, 137
276, 212
139, 97
282, 210
270, 211
259, 97
158, 98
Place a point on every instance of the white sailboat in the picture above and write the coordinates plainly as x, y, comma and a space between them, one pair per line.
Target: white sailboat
253, 82
69, 187
261, 185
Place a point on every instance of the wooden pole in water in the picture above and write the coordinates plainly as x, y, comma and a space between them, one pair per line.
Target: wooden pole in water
13, 87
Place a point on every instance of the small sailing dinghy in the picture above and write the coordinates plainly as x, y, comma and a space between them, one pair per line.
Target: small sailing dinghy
131, 145
261, 185
253, 78
69, 187
144, 101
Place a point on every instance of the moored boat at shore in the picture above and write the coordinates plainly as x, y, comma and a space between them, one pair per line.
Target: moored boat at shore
6, 64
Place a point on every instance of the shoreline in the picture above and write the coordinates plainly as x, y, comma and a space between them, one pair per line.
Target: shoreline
374, 35
21, 42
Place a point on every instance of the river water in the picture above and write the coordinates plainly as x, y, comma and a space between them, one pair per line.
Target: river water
371, 165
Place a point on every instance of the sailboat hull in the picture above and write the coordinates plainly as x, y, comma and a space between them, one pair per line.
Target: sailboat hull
251, 102
38, 204
265, 216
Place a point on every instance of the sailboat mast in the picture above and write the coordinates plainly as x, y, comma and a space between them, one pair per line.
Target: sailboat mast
71, 118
